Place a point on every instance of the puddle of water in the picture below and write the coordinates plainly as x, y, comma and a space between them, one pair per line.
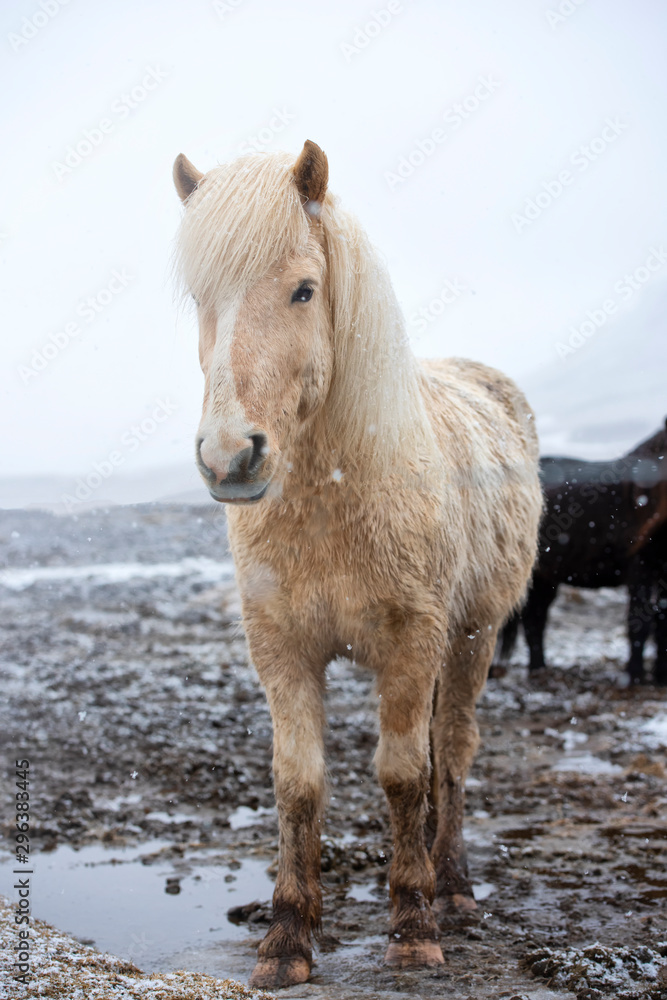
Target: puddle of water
169, 818
523, 833
482, 890
245, 816
367, 893
363, 947
644, 877
370, 892
143, 912
586, 763
651, 895
479, 833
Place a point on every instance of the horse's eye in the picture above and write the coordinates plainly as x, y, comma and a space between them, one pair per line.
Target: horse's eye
196, 300
304, 293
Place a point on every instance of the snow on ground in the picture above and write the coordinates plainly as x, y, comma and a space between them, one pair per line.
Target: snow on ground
68, 969
134, 692
206, 569
586, 971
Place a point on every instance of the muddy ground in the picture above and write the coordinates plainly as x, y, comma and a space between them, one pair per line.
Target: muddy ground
130, 691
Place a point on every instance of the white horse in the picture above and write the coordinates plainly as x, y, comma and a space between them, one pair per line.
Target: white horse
380, 509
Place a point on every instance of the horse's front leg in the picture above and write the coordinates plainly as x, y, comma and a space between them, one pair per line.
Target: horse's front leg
455, 741
402, 761
294, 688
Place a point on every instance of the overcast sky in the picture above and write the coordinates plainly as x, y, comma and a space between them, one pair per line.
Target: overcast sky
441, 121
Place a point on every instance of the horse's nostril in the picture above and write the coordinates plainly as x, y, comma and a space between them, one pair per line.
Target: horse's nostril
259, 451
208, 473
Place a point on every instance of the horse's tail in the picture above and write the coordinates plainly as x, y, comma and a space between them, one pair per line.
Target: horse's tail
508, 636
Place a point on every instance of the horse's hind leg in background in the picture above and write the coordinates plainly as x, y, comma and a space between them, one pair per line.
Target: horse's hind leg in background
640, 617
294, 688
646, 613
455, 737
660, 669
534, 618
402, 762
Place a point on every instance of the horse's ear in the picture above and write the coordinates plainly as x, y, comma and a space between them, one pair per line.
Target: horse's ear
311, 173
186, 176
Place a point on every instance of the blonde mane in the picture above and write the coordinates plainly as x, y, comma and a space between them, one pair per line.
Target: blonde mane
245, 216
353, 533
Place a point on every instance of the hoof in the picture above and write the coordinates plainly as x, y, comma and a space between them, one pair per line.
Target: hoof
413, 954
464, 904
457, 910
270, 973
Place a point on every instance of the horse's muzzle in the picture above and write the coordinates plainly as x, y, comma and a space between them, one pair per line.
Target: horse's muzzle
238, 495
240, 480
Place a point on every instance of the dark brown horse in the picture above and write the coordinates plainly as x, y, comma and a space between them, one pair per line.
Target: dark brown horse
605, 525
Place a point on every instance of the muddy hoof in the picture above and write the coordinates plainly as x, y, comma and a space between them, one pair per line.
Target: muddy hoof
413, 954
270, 973
457, 910
464, 904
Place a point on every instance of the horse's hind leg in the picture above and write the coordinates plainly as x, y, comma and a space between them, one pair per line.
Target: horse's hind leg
534, 619
660, 670
402, 762
455, 739
640, 621
294, 691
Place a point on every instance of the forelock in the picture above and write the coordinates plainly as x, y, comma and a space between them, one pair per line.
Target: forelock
243, 217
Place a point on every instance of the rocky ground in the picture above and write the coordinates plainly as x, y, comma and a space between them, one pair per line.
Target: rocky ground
124, 679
